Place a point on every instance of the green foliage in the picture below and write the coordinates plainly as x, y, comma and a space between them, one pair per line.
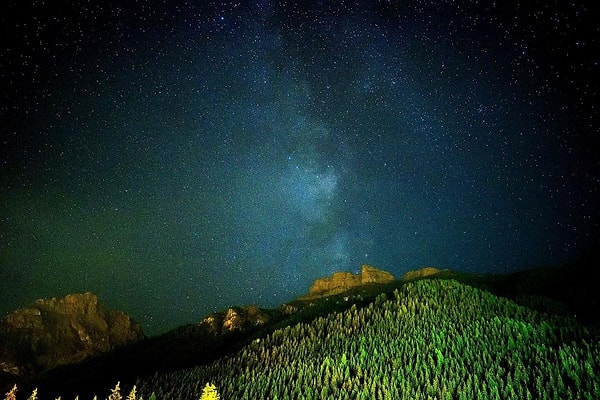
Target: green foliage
429, 339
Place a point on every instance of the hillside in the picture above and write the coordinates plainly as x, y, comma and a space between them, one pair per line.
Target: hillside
429, 338
533, 306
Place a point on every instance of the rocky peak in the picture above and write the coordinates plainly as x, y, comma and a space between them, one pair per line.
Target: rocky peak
370, 274
422, 273
53, 332
236, 319
341, 282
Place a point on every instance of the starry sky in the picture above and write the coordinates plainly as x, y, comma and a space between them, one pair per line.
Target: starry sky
178, 157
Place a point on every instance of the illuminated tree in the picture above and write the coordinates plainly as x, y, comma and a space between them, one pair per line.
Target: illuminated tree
209, 392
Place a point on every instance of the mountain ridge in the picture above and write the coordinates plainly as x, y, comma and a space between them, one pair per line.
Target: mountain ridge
209, 340
61, 331
341, 282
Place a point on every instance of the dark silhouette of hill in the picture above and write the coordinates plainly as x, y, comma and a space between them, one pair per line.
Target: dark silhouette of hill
570, 288
576, 285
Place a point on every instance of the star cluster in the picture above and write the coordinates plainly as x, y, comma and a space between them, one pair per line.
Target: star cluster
177, 158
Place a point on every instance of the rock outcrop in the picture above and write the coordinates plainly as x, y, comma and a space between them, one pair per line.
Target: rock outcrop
236, 319
341, 282
55, 332
422, 273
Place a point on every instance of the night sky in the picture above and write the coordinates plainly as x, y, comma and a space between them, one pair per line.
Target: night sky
177, 157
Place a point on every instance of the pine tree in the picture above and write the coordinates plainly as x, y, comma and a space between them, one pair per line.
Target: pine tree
209, 392
132, 394
115, 393
12, 394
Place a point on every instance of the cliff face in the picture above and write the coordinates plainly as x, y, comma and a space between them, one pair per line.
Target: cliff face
236, 319
422, 273
340, 282
62, 331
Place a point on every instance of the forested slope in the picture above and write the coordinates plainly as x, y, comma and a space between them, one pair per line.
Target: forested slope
429, 339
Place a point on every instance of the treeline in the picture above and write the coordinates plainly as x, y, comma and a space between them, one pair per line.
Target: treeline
435, 339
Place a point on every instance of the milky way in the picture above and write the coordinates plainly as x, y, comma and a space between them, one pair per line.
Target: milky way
177, 159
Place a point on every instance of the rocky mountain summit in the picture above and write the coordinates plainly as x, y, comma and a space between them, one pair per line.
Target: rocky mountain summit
424, 273
236, 319
54, 332
341, 282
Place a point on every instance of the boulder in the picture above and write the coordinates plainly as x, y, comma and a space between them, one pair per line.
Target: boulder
54, 332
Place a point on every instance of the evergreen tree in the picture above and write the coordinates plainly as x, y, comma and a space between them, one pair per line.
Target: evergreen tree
209, 392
